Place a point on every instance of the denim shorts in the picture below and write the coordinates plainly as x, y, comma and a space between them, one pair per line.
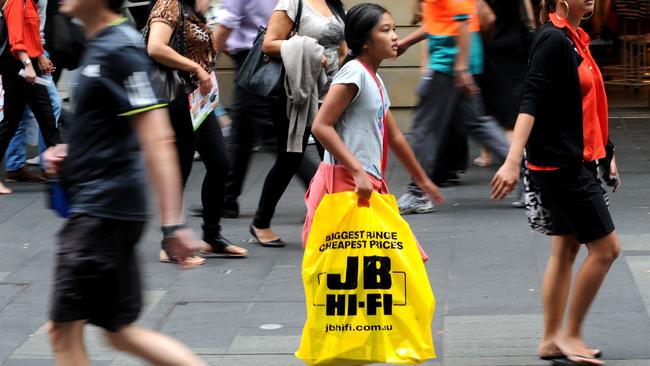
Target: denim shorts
575, 201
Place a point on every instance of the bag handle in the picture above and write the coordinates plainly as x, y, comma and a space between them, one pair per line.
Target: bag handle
384, 158
296, 23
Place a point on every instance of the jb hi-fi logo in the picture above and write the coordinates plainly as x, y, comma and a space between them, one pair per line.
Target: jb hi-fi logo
377, 281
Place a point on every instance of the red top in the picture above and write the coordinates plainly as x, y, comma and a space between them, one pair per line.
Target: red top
24, 28
595, 123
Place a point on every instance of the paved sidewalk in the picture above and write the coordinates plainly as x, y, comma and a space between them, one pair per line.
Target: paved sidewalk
485, 269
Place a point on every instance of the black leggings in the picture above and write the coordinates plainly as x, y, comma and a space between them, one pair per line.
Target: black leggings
209, 142
286, 165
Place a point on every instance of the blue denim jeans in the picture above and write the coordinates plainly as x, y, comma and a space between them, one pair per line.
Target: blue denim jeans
16, 155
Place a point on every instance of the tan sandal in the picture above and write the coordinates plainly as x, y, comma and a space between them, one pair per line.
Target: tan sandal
193, 261
231, 251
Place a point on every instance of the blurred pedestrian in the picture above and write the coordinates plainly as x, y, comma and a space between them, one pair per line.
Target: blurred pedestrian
506, 64
194, 62
448, 94
25, 52
97, 278
238, 24
321, 20
564, 125
16, 154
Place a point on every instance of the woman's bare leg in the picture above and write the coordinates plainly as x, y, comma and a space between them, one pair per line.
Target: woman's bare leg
555, 289
590, 276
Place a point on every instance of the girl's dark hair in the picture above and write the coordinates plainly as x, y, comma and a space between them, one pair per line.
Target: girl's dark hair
548, 7
337, 8
359, 22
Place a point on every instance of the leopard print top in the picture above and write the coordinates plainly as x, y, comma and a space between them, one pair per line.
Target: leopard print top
198, 36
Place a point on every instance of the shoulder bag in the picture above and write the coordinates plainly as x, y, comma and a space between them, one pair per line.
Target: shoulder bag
261, 74
167, 82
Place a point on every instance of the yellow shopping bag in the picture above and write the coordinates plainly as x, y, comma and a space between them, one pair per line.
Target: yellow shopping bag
368, 295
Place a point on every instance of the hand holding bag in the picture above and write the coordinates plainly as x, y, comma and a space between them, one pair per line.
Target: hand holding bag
261, 74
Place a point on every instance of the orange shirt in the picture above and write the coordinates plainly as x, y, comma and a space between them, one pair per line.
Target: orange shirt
595, 123
23, 25
441, 17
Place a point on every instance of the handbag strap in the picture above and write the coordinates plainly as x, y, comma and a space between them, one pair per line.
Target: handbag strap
384, 158
296, 23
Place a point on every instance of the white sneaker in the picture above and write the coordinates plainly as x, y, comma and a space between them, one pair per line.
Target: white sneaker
410, 204
34, 161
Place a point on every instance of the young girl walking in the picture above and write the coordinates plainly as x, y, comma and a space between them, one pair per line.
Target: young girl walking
355, 124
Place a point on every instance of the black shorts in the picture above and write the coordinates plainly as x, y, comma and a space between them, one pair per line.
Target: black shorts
575, 202
97, 277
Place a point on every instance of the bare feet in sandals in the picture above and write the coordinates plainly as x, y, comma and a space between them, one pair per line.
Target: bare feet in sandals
576, 351
549, 351
5, 190
229, 250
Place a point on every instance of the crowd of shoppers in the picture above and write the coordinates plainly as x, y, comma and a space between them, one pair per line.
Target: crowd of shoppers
540, 84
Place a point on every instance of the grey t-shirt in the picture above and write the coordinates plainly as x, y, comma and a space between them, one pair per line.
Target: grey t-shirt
328, 31
361, 125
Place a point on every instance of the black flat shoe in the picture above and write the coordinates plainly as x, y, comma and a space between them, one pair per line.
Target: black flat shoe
277, 243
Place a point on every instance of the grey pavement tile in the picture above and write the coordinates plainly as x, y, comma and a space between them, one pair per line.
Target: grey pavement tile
631, 242
8, 293
270, 344
640, 269
18, 253
257, 360
494, 361
207, 328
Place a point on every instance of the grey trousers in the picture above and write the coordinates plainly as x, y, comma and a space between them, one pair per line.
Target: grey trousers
441, 104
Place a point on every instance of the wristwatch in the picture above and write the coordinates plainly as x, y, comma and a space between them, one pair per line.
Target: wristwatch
27, 61
169, 231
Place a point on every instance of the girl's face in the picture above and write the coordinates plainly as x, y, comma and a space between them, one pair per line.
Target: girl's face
578, 7
202, 6
382, 44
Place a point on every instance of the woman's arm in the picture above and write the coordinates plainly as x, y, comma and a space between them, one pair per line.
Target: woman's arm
158, 49
280, 26
337, 100
400, 146
547, 50
507, 176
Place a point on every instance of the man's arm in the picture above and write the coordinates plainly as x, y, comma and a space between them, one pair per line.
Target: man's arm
221, 34
410, 40
157, 143
464, 79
